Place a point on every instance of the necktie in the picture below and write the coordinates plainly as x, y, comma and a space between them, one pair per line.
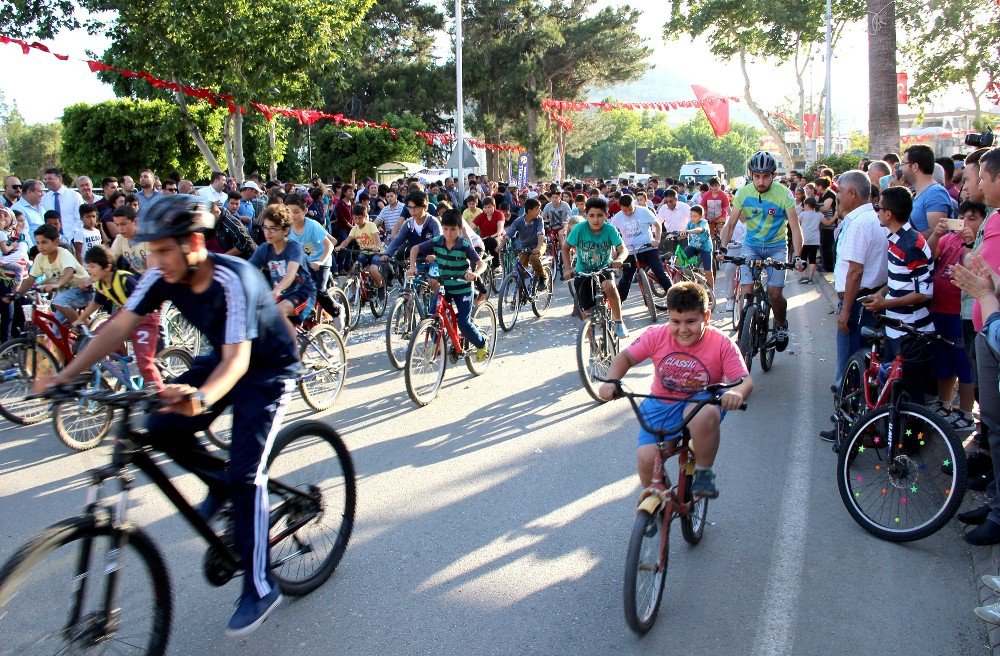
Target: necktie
55, 202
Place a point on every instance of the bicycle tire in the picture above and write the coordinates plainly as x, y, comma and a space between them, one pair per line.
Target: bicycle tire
377, 303
82, 424
14, 355
748, 335
485, 318
220, 433
736, 312
659, 293
172, 362
352, 291
766, 352
543, 298
427, 356
303, 438
496, 276
17, 571
398, 330
856, 472
647, 295
849, 399
509, 303
593, 340
325, 363
341, 323
647, 528
178, 331
693, 524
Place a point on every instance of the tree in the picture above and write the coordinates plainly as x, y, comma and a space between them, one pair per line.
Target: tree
883, 112
952, 44
268, 51
32, 148
366, 149
668, 161
37, 18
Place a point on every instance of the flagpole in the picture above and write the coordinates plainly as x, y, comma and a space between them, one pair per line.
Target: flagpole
459, 113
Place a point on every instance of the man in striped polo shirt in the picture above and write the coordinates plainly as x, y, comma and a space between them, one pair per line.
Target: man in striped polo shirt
907, 295
458, 266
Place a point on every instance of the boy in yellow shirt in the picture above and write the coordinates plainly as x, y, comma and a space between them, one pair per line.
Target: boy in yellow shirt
365, 233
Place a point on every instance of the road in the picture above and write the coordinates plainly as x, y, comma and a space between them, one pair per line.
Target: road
495, 521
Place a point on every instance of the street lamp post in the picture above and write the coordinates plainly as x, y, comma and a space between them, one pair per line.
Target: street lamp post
460, 102
829, 57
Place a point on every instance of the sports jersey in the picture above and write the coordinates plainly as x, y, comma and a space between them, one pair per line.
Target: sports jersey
453, 263
766, 214
411, 234
680, 371
276, 265
593, 251
236, 307
122, 285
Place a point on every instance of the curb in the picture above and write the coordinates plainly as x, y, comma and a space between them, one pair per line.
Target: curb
824, 282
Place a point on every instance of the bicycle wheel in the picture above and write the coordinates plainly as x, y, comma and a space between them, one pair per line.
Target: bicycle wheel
485, 318
324, 364
352, 291
748, 335
736, 312
82, 424
659, 293
711, 299
849, 400
425, 362
767, 348
509, 302
178, 332
52, 593
220, 433
594, 353
377, 302
309, 531
543, 297
647, 295
912, 492
172, 362
21, 362
398, 330
693, 524
341, 323
496, 276
645, 578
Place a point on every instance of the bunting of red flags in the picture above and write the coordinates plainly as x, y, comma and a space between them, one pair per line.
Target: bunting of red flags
304, 116
556, 108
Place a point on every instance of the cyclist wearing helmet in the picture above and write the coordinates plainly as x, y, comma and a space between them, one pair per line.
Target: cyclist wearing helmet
250, 367
766, 207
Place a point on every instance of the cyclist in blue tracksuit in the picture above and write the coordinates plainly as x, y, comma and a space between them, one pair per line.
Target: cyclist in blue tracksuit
251, 368
415, 230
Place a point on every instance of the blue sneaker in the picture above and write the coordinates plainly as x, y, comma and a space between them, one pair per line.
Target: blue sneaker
703, 484
620, 330
251, 612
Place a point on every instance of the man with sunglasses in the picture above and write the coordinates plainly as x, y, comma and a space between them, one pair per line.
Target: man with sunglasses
11, 190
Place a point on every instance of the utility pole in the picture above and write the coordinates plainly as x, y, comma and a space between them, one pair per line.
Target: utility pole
459, 109
829, 58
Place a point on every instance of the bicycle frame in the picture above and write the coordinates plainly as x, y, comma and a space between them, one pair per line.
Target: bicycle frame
52, 328
445, 315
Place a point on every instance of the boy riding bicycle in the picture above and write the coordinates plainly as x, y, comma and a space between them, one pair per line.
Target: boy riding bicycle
688, 355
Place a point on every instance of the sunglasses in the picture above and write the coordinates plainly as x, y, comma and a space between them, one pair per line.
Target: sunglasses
15, 186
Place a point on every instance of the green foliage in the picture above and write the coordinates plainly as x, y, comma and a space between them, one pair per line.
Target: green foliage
839, 164
668, 161
39, 19
367, 149
31, 147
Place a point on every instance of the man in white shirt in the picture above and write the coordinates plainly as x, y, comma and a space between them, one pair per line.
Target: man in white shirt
638, 228
673, 215
85, 186
861, 269
214, 193
62, 199
30, 205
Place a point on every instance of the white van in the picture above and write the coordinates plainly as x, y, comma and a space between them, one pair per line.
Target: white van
702, 172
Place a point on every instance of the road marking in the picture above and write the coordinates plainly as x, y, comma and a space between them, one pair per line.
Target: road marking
784, 577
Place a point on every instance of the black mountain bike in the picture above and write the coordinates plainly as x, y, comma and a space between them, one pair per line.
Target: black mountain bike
95, 583
519, 289
754, 328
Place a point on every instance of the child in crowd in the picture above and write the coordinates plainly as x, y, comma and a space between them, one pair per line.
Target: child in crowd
285, 265
124, 247
54, 219
810, 218
87, 236
365, 233
62, 274
700, 242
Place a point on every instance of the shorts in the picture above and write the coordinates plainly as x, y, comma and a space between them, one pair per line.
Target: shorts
585, 288
662, 414
297, 298
810, 252
950, 360
366, 259
704, 257
73, 297
775, 277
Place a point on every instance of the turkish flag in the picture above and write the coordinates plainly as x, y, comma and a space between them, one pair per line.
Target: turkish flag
716, 109
902, 89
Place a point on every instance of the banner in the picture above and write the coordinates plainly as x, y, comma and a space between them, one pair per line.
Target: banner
902, 89
716, 109
523, 169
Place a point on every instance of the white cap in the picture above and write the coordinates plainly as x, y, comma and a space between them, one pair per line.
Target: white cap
250, 184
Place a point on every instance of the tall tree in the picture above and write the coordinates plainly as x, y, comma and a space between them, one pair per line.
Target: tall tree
37, 18
883, 112
269, 50
952, 44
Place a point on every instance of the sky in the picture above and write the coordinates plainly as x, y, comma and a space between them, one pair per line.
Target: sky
53, 85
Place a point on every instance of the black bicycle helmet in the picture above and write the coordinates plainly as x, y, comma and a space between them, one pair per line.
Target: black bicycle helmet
177, 215
762, 162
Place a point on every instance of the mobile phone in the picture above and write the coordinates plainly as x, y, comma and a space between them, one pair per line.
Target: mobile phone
955, 224
863, 299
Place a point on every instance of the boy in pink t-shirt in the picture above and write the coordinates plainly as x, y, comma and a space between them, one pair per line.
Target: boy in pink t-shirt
688, 354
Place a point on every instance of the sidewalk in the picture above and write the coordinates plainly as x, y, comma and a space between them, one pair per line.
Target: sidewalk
985, 560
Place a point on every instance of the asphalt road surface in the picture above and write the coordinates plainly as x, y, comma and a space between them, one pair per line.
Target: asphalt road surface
495, 521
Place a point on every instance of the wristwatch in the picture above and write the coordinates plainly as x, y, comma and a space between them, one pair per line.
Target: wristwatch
202, 401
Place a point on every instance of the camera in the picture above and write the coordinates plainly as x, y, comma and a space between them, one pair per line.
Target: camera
981, 140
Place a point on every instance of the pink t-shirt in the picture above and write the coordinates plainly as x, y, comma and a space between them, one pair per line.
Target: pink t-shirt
947, 297
990, 253
685, 370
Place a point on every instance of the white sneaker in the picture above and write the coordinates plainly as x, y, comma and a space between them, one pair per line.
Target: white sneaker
989, 613
991, 582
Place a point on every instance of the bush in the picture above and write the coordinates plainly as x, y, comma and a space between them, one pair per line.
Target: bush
839, 164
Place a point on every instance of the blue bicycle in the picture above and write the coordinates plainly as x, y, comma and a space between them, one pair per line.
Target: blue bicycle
82, 424
519, 289
412, 307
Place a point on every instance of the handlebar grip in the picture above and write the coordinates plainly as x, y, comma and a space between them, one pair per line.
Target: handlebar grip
743, 406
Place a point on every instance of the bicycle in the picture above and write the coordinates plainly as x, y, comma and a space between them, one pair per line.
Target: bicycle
429, 350
554, 248
678, 271
645, 286
323, 356
360, 289
505, 265
519, 288
409, 309
755, 318
647, 557
175, 331
25, 358
82, 424
597, 343
311, 477
901, 468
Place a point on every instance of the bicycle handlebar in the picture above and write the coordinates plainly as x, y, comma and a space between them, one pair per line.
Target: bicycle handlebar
769, 262
883, 320
147, 400
713, 398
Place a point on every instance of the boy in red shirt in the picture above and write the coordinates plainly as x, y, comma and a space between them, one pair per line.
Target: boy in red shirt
716, 204
689, 354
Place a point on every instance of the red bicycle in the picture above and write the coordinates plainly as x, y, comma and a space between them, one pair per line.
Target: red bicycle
25, 358
901, 468
430, 351
554, 245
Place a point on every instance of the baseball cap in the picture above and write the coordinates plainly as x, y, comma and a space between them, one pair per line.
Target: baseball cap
250, 184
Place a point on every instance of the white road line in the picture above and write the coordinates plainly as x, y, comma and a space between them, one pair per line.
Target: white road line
784, 577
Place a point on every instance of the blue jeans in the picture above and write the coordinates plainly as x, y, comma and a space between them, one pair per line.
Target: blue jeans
848, 344
343, 259
463, 312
